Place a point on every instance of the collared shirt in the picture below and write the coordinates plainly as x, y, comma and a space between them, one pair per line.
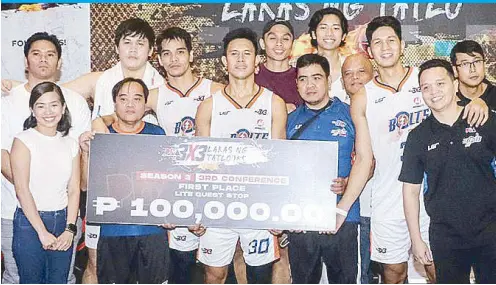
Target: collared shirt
333, 124
489, 96
461, 196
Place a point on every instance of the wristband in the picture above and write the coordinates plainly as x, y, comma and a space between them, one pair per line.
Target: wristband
341, 212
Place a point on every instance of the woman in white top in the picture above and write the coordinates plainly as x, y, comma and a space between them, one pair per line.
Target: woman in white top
45, 167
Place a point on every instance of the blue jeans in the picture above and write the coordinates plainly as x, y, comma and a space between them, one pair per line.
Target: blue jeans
35, 264
366, 272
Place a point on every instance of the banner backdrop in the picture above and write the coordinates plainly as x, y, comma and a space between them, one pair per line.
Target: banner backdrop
69, 22
430, 29
229, 183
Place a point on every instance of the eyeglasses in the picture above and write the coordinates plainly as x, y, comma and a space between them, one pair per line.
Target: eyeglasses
468, 64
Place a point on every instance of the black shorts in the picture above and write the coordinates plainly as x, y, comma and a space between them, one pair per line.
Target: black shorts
339, 252
133, 259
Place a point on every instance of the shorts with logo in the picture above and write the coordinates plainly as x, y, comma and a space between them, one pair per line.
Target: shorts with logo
390, 240
92, 233
183, 240
217, 246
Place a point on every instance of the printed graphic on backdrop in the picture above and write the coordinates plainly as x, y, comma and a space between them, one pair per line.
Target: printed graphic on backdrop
69, 22
430, 29
233, 183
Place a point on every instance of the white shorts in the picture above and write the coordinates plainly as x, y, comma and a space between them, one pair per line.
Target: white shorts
390, 240
217, 246
92, 234
183, 240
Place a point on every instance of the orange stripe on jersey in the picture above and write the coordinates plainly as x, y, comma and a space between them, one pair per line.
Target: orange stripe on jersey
390, 88
252, 101
230, 99
408, 73
178, 92
119, 131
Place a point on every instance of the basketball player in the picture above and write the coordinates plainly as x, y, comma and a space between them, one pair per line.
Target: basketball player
229, 113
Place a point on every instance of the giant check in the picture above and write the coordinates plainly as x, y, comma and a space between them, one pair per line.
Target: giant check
232, 183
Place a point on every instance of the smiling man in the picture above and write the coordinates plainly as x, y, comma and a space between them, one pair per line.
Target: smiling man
234, 113
461, 197
276, 73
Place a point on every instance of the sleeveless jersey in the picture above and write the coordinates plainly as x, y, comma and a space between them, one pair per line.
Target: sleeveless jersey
176, 111
391, 114
230, 120
104, 105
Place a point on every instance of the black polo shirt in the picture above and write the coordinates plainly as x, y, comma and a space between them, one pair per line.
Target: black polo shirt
461, 195
489, 96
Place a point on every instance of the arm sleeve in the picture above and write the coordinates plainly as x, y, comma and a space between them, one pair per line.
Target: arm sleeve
412, 170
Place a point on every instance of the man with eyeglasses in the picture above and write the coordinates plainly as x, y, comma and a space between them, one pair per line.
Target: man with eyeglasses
468, 60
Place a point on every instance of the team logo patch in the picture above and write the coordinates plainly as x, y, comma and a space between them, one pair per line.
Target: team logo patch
244, 133
467, 142
186, 125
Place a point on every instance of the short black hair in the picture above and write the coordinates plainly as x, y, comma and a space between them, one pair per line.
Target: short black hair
174, 33
383, 21
319, 15
134, 27
43, 36
432, 63
241, 33
39, 90
468, 47
313, 58
118, 86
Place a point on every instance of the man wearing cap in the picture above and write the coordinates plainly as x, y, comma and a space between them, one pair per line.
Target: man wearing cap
276, 73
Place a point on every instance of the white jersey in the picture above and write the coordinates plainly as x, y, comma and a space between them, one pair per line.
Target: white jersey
104, 105
176, 111
230, 120
391, 114
176, 114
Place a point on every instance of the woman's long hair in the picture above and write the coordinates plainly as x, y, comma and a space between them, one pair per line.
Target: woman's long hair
65, 122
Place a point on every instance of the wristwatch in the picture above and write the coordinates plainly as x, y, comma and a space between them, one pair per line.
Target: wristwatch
71, 228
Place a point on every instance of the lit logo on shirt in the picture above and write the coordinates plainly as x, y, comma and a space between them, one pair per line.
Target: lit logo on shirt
244, 133
403, 120
186, 125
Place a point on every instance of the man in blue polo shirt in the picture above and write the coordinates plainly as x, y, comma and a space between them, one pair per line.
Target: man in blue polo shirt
130, 253
321, 118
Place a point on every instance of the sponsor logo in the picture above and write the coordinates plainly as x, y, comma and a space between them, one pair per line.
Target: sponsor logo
470, 130
339, 123
199, 98
432, 146
167, 103
262, 112
186, 125
379, 100
403, 120
206, 250
224, 113
467, 142
339, 132
414, 90
90, 235
381, 250
180, 238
